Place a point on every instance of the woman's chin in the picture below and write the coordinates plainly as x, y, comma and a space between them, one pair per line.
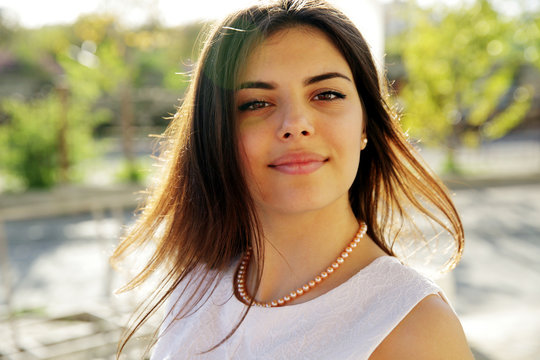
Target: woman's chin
299, 204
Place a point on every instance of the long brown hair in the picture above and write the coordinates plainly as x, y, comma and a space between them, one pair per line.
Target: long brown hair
201, 212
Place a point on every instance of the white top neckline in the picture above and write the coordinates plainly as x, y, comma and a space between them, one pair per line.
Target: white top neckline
347, 322
229, 276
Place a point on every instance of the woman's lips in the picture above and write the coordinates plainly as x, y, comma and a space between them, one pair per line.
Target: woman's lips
298, 163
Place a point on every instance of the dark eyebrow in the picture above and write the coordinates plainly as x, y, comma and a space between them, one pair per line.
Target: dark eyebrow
256, 85
308, 81
325, 76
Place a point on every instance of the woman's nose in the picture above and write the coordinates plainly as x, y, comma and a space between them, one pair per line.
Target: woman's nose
296, 123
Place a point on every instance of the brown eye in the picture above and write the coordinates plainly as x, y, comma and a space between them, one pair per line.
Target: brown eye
253, 105
329, 96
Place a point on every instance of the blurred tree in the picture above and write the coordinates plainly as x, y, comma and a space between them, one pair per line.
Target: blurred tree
31, 137
134, 69
114, 76
80, 76
28, 151
527, 37
6, 28
47, 125
461, 66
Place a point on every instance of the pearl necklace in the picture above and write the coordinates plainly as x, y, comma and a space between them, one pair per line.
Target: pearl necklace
241, 274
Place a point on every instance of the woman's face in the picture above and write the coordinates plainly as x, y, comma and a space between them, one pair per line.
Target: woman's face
300, 123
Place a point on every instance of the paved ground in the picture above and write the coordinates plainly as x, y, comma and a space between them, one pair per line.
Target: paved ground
498, 280
59, 265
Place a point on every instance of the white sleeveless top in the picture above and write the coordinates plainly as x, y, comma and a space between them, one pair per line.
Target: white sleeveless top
348, 322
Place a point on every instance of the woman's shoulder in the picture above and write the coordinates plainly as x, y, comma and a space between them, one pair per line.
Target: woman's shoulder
395, 278
431, 330
392, 273
421, 323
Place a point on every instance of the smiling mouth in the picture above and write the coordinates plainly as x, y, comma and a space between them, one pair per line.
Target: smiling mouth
299, 165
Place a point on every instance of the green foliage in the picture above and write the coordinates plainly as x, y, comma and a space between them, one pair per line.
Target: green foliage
30, 138
527, 38
461, 66
510, 117
34, 46
103, 70
131, 172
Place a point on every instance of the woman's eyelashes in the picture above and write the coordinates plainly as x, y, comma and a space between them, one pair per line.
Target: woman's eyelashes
329, 95
253, 105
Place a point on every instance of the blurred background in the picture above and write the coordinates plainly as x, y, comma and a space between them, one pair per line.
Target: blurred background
82, 86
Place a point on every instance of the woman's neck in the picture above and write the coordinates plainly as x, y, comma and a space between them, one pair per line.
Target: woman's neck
297, 247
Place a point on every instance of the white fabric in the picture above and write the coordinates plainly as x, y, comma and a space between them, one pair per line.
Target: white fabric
348, 322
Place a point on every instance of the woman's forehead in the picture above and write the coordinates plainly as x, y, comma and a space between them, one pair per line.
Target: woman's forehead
293, 51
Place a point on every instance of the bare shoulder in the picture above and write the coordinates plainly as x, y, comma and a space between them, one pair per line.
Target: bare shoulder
430, 331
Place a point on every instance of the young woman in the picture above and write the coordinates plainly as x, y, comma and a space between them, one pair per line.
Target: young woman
289, 186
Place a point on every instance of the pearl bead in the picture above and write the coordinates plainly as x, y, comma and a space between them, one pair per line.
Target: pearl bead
240, 278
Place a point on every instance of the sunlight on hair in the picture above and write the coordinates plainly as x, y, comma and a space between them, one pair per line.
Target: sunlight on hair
425, 245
